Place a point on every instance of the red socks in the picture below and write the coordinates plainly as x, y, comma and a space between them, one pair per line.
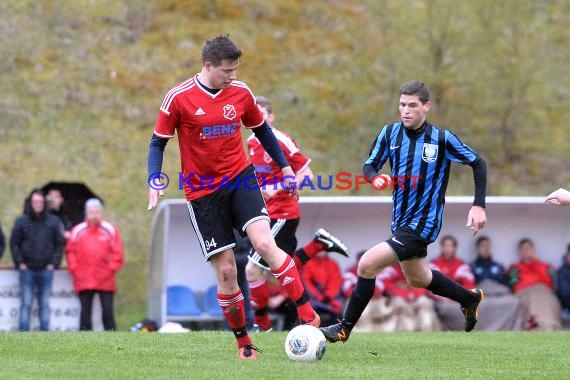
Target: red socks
312, 248
259, 291
289, 278
233, 307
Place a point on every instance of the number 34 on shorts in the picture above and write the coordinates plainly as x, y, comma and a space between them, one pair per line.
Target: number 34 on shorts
210, 244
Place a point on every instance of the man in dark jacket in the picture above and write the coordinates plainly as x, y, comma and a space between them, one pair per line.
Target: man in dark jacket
2, 242
563, 279
37, 245
484, 267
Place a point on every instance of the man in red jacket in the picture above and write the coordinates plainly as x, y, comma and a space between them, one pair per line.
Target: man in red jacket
532, 281
323, 282
449, 265
95, 255
412, 309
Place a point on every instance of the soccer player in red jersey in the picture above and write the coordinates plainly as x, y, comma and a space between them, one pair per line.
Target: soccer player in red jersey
284, 212
207, 112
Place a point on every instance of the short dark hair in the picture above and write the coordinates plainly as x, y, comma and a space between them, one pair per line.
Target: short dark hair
450, 238
218, 49
415, 87
265, 103
480, 240
524, 241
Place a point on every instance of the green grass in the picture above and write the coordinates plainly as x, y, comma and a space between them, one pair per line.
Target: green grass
212, 355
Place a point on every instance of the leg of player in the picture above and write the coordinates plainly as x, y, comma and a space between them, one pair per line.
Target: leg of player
323, 241
420, 276
259, 289
231, 301
283, 268
372, 262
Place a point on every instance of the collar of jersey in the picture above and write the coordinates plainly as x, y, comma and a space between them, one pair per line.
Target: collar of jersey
202, 87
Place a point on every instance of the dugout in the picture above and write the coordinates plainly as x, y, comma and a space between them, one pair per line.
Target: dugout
175, 256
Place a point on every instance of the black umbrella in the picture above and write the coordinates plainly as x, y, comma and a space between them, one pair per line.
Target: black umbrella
75, 195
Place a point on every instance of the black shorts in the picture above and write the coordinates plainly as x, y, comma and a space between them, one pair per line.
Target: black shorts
283, 230
216, 215
407, 244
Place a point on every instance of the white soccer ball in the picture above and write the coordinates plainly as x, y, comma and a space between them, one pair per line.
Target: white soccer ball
305, 343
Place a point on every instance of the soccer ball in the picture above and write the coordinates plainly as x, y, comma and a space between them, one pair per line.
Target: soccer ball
305, 343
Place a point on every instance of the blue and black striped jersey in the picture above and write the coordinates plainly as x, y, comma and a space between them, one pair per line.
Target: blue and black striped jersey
420, 164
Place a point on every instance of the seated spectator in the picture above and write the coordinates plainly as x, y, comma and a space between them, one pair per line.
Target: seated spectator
323, 281
563, 287
281, 305
533, 282
412, 309
378, 316
448, 264
501, 309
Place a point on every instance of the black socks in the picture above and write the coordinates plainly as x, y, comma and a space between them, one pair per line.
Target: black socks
361, 295
446, 287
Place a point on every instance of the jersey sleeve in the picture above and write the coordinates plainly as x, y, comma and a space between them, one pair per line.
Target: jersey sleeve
252, 116
379, 151
457, 151
168, 118
297, 160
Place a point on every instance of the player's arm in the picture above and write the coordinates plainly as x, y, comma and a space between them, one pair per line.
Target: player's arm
456, 151
269, 142
560, 197
154, 166
377, 157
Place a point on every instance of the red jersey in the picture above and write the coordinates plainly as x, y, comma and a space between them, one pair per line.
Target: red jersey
269, 175
209, 132
322, 278
522, 275
455, 269
397, 284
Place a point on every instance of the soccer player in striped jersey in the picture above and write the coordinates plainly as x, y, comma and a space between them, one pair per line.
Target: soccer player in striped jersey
420, 155
284, 212
207, 112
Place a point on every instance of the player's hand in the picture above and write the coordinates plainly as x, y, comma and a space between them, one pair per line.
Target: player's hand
269, 193
381, 181
153, 195
560, 197
289, 183
476, 219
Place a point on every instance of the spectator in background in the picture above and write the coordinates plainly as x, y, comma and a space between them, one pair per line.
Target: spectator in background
55, 204
449, 265
323, 282
560, 197
412, 309
37, 244
95, 255
2, 242
563, 288
501, 309
377, 316
533, 282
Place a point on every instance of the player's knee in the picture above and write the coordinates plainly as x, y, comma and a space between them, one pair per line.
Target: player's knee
418, 280
227, 273
367, 269
263, 245
253, 272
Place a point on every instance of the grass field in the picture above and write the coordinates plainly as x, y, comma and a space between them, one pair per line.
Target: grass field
212, 355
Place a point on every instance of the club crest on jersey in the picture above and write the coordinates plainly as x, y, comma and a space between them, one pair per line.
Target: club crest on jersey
266, 157
429, 152
230, 111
